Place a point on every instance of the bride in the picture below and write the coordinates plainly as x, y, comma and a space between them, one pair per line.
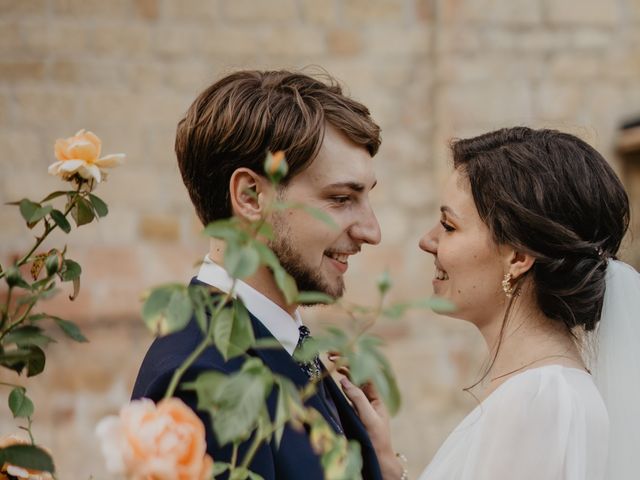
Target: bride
531, 221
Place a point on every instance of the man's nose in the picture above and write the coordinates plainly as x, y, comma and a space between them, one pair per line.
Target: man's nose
429, 241
367, 229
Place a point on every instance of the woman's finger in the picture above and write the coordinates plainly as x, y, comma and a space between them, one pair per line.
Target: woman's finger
361, 403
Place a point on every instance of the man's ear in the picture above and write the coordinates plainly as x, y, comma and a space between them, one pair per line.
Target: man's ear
520, 263
249, 193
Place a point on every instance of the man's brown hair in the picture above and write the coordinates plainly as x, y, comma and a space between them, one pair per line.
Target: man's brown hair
234, 122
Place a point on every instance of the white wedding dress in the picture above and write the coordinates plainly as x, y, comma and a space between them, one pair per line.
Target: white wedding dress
546, 423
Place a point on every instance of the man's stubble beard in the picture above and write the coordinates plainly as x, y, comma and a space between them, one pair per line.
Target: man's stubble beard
307, 279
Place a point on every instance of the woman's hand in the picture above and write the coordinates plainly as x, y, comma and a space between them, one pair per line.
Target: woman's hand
375, 417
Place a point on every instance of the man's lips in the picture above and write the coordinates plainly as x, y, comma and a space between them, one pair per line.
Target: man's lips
340, 260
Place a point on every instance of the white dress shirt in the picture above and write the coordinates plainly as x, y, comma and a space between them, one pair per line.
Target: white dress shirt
283, 327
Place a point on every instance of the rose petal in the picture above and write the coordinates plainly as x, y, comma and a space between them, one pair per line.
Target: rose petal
60, 149
54, 168
90, 171
93, 138
82, 149
110, 161
71, 165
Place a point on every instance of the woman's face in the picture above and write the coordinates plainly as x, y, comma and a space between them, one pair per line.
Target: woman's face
470, 266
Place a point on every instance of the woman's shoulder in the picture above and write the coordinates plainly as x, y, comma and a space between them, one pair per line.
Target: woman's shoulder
551, 388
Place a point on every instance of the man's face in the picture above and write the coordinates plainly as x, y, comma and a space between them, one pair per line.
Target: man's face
338, 183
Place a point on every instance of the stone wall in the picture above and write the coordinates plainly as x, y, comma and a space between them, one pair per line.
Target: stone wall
430, 70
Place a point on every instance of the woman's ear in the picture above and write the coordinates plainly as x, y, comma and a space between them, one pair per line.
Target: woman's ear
249, 194
520, 263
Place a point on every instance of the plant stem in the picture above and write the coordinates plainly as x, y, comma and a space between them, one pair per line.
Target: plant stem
45, 234
202, 346
4, 315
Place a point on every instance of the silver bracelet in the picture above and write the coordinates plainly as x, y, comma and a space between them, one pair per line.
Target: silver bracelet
403, 461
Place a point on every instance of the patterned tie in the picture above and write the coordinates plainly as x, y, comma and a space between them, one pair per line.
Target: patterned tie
311, 367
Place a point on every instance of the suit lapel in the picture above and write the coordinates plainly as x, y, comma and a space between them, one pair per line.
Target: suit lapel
280, 362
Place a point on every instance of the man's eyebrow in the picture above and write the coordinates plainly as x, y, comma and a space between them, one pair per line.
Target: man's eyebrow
446, 209
355, 186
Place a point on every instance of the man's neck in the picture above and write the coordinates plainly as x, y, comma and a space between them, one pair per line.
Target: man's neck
262, 280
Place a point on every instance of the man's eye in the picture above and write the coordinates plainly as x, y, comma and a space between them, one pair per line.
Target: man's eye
340, 199
446, 226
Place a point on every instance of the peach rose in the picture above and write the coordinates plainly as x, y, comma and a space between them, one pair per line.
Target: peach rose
80, 155
155, 442
15, 471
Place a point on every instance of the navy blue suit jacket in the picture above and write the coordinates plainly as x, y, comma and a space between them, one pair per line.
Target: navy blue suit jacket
294, 459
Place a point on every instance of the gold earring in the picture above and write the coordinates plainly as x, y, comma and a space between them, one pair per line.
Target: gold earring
509, 289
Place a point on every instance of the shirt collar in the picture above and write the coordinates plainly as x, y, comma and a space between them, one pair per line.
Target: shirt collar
283, 327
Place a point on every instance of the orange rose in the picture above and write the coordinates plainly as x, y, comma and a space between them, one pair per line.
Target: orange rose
155, 442
80, 155
15, 471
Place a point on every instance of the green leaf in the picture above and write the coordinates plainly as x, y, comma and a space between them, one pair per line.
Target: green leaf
28, 335
61, 220
366, 363
31, 358
314, 298
232, 331
82, 212
53, 195
28, 208
236, 401
53, 263
14, 279
99, 206
241, 262
27, 456
228, 229
21, 406
439, 305
199, 296
38, 215
168, 309
319, 215
70, 270
70, 329
219, 468
286, 284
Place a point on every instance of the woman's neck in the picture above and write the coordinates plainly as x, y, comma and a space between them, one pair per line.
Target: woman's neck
527, 340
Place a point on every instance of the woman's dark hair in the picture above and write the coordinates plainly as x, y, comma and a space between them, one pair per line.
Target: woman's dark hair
553, 196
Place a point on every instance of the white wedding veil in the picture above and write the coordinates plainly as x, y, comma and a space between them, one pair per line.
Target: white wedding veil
616, 368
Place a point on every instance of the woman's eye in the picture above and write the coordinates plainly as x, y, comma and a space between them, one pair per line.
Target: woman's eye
446, 226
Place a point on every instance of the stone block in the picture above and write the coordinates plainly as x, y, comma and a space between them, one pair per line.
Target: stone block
5, 107
398, 42
192, 10
592, 39
22, 8
92, 73
147, 9
227, 41
174, 41
490, 12
260, 13
121, 40
289, 41
587, 12
94, 8
345, 42
43, 37
558, 101
158, 227
321, 13
488, 104
10, 38
40, 107
22, 71
578, 66
368, 12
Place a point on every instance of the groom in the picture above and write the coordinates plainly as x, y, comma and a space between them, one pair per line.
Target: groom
221, 143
